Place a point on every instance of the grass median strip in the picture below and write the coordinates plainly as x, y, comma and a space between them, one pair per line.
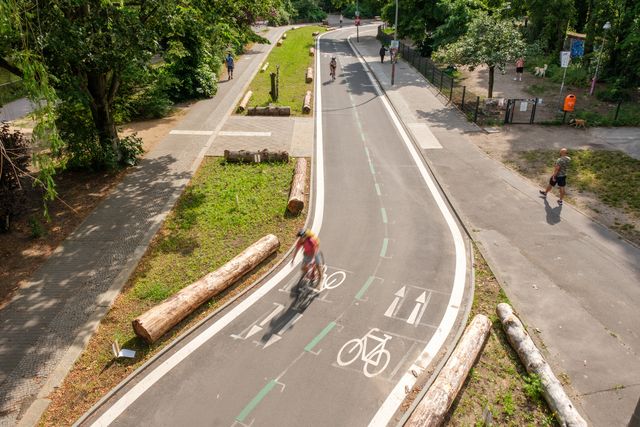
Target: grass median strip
225, 208
294, 59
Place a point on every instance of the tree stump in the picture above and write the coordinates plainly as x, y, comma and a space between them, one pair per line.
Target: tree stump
245, 101
264, 156
435, 404
155, 322
279, 42
296, 195
534, 363
306, 106
309, 75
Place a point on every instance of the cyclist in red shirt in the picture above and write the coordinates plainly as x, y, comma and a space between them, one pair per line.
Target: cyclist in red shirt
310, 245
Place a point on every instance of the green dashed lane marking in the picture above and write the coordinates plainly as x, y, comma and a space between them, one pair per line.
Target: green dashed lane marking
365, 287
373, 171
384, 215
254, 402
320, 336
383, 251
378, 189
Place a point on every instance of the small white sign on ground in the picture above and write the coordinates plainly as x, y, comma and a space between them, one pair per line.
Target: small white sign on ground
121, 352
423, 135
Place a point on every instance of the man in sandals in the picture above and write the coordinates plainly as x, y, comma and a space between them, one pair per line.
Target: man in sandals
559, 176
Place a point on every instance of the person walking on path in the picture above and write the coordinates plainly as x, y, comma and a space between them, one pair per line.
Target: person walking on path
229, 61
559, 176
519, 69
341, 20
382, 52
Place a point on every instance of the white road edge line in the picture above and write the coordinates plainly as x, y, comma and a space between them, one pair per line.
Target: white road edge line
156, 374
397, 395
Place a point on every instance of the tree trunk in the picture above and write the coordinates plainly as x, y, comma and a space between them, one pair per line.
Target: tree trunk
492, 69
102, 93
435, 404
296, 196
155, 322
534, 363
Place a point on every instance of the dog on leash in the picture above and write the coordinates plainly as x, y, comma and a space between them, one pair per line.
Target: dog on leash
541, 71
578, 123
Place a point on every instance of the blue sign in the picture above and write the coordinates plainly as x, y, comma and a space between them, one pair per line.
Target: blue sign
577, 48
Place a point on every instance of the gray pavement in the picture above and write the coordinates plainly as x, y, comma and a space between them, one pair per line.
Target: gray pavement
49, 321
16, 109
573, 282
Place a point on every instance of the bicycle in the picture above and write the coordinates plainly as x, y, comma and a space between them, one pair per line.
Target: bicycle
378, 357
310, 284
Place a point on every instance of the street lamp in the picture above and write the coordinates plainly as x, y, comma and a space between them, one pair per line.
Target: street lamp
395, 39
605, 27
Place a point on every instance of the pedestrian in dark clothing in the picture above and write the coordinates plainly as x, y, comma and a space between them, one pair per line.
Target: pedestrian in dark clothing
559, 176
382, 52
230, 65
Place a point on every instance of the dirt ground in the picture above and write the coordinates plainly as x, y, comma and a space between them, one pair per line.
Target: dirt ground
79, 193
511, 140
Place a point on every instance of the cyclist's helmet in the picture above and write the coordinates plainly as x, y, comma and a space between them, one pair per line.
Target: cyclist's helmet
304, 232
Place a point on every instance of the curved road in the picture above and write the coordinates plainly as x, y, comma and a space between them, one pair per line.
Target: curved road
397, 273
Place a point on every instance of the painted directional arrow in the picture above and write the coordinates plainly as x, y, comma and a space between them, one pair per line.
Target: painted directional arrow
418, 310
278, 335
394, 305
253, 329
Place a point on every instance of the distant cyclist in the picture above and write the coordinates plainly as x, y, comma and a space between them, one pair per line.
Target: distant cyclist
332, 67
310, 245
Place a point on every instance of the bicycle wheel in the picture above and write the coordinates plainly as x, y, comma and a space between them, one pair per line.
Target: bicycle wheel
371, 370
353, 349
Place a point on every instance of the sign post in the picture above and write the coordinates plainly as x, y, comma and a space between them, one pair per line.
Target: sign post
358, 26
565, 58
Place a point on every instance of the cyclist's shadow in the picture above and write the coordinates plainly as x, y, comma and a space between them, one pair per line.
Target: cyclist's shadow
302, 295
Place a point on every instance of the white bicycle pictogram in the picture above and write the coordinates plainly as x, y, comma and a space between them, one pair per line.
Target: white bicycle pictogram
375, 359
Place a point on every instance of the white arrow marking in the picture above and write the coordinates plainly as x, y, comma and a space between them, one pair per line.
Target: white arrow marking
424, 307
416, 310
278, 335
273, 314
255, 328
394, 305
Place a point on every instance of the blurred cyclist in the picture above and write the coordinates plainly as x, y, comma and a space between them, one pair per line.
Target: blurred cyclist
310, 245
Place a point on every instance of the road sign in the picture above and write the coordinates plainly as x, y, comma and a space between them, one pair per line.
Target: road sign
565, 57
357, 20
395, 44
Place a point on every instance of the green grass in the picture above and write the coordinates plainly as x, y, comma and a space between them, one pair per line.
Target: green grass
613, 176
293, 59
225, 209
10, 92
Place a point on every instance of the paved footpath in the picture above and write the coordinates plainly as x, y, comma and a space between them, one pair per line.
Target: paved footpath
48, 323
568, 277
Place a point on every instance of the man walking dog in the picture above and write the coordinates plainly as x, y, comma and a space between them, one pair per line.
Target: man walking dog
559, 176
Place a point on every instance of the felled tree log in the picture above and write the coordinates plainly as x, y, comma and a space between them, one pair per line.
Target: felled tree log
312, 51
306, 106
264, 67
264, 156
315, 33
279, 42
269, 111
284, 36
245, 101
534, 363
296, 195
155, 322
309, 75
435, 404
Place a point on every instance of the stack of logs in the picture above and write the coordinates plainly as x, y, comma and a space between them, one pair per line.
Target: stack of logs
263, 156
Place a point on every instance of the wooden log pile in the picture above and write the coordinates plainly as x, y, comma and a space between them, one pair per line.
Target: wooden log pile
534, 363
433, 408
309, 75
245, 101
296, 195
158, 320
306, 106
270, 111
263, 156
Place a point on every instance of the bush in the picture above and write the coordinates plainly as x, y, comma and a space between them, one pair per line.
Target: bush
614, 93
14, 160
365, 11
131, 149
308, 11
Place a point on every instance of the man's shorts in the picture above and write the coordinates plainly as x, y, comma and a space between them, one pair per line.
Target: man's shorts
306, 259
519, 70
561, 181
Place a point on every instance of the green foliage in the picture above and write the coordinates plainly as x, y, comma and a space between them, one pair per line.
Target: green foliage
131, 149
14, 161
548, 21
615, 92
36, 228
308, 11
533, 387
455, 16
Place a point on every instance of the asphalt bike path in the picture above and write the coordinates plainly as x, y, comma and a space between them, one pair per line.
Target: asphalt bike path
396, 284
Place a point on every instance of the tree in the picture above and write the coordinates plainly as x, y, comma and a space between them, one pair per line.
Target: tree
488, 41
455, 15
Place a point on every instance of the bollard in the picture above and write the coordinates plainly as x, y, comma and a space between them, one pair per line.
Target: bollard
475, 115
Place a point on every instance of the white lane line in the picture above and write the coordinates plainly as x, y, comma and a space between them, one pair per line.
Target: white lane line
397, 395
242, 133
191, 132
156, 374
